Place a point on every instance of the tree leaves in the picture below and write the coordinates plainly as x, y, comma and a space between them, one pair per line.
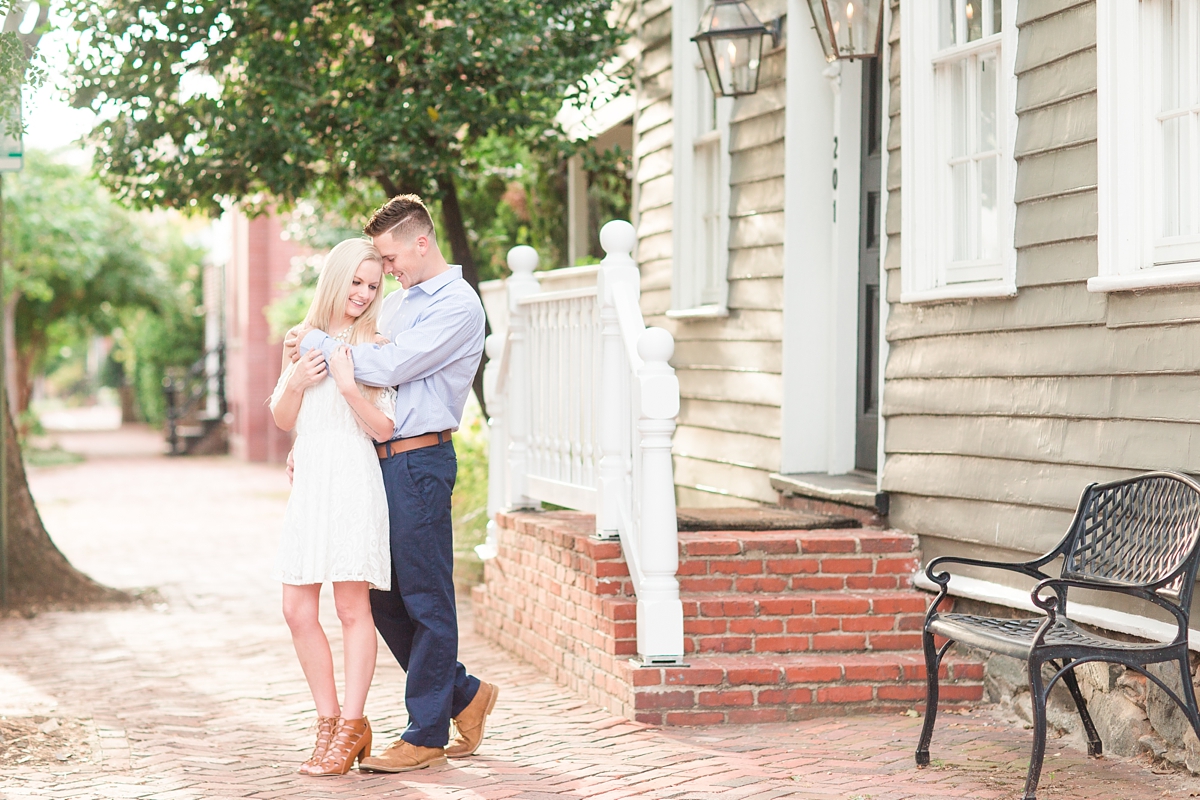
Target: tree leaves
309, 98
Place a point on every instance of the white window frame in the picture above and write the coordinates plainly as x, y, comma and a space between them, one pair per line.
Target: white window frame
1129, 170
688, 281
926, 243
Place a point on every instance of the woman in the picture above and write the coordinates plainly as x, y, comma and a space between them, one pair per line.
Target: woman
336, 525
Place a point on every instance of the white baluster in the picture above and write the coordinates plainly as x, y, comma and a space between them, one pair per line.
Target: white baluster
659, 612
497, 446
522, 260
618, 272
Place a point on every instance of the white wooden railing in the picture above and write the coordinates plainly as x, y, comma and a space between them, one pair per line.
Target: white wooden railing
583, 406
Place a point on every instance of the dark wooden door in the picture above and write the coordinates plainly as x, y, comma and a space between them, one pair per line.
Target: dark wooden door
870, 230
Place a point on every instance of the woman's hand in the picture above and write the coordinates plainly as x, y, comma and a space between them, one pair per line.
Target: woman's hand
310, 370
341, 367
292, 339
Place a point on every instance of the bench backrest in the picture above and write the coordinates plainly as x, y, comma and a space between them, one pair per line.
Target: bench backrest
1137, 532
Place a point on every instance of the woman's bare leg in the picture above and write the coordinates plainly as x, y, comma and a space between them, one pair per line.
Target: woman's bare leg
300, 607
358, 643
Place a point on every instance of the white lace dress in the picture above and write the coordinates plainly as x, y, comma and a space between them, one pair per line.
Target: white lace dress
336, 524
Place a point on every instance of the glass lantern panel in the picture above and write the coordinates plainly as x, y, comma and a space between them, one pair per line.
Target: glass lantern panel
855, 26
821, 25
710, 63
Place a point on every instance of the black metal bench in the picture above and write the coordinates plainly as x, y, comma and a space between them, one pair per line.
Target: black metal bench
1136, 537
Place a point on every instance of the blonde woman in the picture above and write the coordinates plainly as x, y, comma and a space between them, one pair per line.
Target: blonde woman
336, 525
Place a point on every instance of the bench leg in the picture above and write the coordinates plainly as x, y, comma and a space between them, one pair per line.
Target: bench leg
1095, 746
933, 661
1038, 694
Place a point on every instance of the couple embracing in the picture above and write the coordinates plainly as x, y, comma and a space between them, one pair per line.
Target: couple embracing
374, 387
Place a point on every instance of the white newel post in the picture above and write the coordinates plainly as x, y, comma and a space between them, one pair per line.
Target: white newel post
497, 445
659, 612
522, 260
618, 273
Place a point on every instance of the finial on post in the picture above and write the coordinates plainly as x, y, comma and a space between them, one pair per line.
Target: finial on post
618, 238
522, 260
493, 346
656, 344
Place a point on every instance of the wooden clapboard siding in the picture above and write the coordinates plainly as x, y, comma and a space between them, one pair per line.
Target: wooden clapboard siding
729, 368
755, 418
1000, 411
736, 447
1163, 397
1136, 444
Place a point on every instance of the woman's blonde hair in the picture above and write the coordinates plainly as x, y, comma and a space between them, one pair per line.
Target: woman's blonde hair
333, 290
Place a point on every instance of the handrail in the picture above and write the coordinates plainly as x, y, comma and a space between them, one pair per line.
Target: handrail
583, 404
183, 393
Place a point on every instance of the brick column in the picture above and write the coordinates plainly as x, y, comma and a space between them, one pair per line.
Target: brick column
258, 263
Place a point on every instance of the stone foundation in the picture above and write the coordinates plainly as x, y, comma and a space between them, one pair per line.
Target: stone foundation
1131, 714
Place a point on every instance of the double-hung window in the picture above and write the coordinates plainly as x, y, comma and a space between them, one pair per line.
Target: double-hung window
700, 253
1148, 99
958, 128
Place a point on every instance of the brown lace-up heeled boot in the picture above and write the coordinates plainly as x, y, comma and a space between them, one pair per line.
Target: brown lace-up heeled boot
325, 726
351, 741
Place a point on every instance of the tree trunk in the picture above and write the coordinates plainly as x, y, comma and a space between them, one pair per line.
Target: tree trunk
39, 575
460, 249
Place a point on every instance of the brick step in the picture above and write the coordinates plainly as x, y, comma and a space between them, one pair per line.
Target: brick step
719, 689
790, 623
779, 561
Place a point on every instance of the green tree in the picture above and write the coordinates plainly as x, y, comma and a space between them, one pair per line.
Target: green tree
33, 572
76, 262
269, 101
152, 340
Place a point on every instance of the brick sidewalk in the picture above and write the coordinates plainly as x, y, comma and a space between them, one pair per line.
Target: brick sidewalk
200, 696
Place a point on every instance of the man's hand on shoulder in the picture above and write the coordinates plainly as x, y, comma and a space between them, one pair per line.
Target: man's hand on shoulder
291, 341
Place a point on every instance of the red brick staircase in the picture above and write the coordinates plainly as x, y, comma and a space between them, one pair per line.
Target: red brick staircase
777, 624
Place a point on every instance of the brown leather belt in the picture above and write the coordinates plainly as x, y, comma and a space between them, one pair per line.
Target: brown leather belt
397, 446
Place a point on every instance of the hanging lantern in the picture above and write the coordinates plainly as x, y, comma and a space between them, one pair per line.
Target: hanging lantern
731, 45
848, 28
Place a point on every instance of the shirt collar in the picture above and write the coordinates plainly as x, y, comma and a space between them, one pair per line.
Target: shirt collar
431, 286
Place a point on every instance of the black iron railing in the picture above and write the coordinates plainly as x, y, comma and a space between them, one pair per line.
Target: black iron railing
185, 392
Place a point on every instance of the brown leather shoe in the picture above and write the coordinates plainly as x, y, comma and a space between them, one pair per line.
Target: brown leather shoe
471, 721
402, 756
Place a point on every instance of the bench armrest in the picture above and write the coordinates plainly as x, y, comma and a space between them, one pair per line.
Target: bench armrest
1027, 568
1053, 604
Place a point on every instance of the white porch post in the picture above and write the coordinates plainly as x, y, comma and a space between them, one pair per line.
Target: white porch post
659, 611
522, 260
618, 273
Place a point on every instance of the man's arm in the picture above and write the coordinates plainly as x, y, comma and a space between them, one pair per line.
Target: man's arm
416, 353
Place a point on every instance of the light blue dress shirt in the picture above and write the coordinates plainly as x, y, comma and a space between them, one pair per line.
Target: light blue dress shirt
436, 332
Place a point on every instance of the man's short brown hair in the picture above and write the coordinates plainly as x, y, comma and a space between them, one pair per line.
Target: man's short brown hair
405, 215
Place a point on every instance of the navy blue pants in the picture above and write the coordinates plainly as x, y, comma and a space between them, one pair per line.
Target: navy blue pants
417, 617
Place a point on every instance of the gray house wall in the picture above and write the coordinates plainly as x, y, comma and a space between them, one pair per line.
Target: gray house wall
730, 368
1000, 411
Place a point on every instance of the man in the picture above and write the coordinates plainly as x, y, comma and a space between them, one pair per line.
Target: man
436, 331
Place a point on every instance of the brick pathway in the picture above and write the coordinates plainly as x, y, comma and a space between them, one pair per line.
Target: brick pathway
198, 695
